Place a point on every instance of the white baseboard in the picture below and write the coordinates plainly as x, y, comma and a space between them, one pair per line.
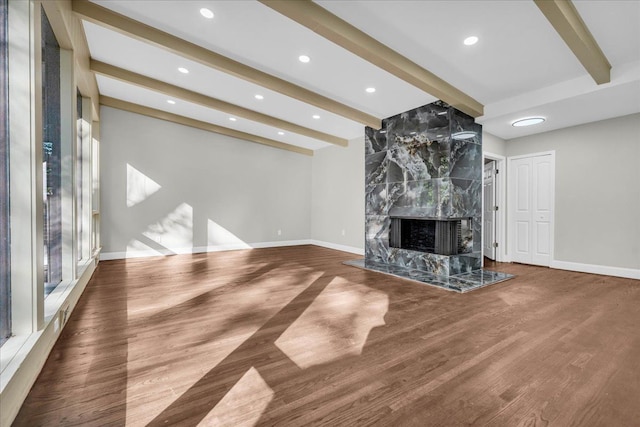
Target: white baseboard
105, 256
344, 248
629, 273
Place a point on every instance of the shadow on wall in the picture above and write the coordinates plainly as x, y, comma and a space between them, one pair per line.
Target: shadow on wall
173, 233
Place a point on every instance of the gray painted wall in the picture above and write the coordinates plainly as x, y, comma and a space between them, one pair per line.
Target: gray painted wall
597, 181
338, 195
214, 190
252, 191
493, 144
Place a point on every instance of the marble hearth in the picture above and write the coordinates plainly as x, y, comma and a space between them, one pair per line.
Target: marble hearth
423, 175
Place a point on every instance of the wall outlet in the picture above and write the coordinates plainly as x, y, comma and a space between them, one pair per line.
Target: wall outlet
279, 232
64, 316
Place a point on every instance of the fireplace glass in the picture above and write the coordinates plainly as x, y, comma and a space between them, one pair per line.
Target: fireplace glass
449, 236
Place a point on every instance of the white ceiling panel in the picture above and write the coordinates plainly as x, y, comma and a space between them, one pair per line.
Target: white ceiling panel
617, 101
125, 52
135, 94
615, 25
519, 67
253, 34
517, 51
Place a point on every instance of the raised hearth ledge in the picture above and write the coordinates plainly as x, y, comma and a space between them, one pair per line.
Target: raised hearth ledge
460, 283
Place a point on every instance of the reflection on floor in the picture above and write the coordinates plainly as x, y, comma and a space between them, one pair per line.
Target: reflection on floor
464, 282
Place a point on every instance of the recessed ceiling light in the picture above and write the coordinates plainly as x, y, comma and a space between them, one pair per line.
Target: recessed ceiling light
463, 135
370, 89
207, 13
280, 133
470, 40
233, 119
304, 58
258, 96
528, 121
171, 101
183, 70
315, 116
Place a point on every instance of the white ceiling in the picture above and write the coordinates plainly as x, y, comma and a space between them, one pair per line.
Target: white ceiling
520, 66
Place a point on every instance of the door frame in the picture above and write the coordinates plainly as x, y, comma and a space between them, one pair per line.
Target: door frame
511, 219
501, 199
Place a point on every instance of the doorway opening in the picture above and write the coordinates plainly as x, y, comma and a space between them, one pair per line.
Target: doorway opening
494, 208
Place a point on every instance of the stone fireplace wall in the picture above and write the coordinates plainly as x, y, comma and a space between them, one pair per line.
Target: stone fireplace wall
424, 163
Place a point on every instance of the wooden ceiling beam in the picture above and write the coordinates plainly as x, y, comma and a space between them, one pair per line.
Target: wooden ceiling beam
564, 17
209, 102
186, 121
132, 28
340, 32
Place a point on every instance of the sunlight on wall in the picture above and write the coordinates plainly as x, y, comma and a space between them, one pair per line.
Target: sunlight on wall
243, 405
218, 236
136, 246
174, 231
139, 186
335, 325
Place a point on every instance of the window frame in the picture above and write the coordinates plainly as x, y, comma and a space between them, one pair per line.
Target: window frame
5, 254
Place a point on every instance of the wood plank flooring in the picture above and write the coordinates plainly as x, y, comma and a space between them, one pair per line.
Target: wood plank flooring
291, 337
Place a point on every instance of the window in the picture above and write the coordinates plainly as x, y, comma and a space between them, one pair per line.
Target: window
51, 167
79, 160
5, 288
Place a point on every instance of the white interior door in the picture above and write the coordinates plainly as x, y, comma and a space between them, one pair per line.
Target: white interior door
531, 180
489, 211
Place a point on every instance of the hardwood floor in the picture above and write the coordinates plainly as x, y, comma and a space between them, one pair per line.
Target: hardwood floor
290, 336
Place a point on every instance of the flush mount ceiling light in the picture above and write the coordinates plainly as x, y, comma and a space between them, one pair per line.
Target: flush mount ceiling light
304, 58
471, 40
171, 101
315, 116
233, 119
528, 121
370, 89
280, 133
183, 70
463, 135
258, 96
207, 13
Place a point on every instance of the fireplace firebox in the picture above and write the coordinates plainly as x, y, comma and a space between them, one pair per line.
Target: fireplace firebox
442, 236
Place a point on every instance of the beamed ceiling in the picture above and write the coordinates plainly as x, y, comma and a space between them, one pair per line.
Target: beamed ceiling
570, 62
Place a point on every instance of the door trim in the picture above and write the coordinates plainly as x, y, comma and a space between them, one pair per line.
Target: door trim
501, 199
511, 219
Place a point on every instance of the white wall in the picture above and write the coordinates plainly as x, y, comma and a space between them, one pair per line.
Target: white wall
493, 144
597, 218
337, 204
168, 188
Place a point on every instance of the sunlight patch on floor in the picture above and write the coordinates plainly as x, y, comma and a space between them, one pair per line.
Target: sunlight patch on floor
231, 318
335, 325
243, 405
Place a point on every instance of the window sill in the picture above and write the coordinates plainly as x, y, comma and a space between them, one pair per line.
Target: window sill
15, 351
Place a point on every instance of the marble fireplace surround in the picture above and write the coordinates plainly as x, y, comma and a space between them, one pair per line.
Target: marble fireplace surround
425, 163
